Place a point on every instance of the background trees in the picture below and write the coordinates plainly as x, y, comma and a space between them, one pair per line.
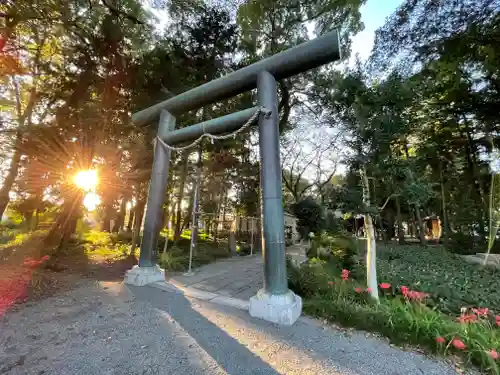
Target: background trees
418, 119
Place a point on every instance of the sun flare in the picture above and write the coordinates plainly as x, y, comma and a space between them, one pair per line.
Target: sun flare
86, 180
91, 201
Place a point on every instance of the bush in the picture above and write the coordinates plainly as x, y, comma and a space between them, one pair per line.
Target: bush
243, 249
339, 248
7, 234
177, 256
310, 216
401, 319
174, 260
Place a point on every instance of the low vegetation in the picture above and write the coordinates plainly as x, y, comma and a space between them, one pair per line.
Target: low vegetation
176, 258
434, 300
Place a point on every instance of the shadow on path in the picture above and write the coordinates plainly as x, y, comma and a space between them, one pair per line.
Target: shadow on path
245, 345
230, 355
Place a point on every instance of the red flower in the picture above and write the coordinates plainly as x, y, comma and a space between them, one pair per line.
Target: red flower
331, 283
493, 354
404, 290
416, 296
345, 275
358, 290
385, 286
459, 344
369, 290
481, 311
467, 318
440, 340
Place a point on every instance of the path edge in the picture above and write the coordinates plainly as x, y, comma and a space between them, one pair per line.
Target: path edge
218, 299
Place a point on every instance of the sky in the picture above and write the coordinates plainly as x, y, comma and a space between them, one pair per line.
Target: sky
373, 15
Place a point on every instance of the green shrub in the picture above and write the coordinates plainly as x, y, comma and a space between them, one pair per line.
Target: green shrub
465, 244
177, 256
174, 260
7, 235
243, 249
339, 248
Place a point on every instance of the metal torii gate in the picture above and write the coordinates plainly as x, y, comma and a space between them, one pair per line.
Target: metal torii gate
274, 302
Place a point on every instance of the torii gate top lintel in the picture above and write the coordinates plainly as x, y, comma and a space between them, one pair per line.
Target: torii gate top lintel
298, 59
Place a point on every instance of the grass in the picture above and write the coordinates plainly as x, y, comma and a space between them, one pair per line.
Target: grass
452, 284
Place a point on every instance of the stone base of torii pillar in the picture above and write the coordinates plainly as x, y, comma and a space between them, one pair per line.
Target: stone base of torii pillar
282, 309
140, 276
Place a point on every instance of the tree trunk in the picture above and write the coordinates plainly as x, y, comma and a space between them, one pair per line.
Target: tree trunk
131, 220
177, 232
120, 219
218, 212
401, 235
10, 178
476, 179
65, 224
371, 252
22, 118
139, 213
165, 224
106, 221
421, 229
444, 227
37, 219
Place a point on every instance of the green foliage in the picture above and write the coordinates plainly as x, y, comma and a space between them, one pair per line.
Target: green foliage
176, 258
7, 234
451, 282
243, 249
310, 216
341, 249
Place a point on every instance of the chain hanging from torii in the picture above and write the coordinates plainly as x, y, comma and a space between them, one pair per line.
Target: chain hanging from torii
213, 137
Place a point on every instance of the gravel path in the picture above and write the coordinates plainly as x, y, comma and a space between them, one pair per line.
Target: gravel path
109, 328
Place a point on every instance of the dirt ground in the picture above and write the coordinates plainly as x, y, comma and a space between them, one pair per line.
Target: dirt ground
28, 273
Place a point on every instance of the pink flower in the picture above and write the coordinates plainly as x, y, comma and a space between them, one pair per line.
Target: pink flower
385, 286
345, 274
497, 318
459, 344
440, 340
369, 290
404, 290
358, 290
493, 354
331, 283
45, 257
416, 296
467, 318
480, 311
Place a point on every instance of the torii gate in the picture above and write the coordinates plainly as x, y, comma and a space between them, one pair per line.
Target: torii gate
274, 302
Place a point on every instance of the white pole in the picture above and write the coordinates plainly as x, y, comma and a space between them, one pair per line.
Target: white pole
194, 218
251, 242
